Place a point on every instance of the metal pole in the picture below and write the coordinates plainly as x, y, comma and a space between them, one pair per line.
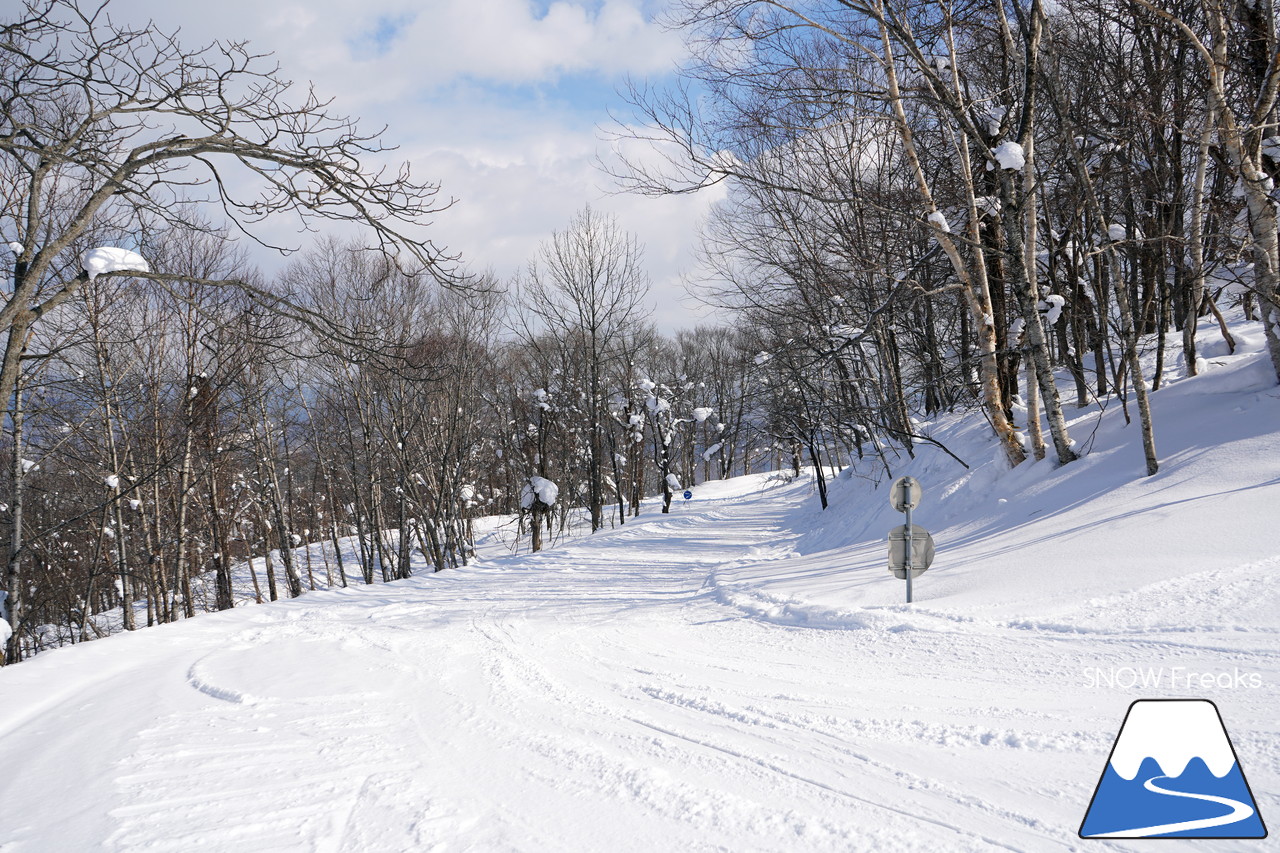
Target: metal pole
906, 499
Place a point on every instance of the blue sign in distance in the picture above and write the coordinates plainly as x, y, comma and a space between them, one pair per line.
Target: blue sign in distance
687, 494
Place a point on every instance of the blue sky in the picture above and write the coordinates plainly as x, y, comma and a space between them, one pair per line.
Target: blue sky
500, 100
377, 40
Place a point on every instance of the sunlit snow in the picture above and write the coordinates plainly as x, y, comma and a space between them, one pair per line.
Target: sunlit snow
741, 673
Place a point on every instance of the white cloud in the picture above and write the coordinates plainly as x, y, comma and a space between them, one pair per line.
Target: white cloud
512, 193
496, 99
388, 49
507, 41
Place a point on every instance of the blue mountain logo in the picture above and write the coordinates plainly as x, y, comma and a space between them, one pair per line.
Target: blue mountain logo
1173, 773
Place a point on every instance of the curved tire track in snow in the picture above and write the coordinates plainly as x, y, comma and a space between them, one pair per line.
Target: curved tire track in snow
583, 667
197, 678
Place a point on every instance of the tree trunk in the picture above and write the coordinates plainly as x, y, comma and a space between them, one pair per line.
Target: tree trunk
973, 280
1195, 296
13, 571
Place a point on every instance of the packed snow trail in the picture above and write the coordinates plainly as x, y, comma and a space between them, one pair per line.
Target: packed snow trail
604, 695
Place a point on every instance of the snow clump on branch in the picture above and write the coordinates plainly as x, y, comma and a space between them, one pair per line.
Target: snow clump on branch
1010, 156
657, 405
105, 259
1051, 306
538, 489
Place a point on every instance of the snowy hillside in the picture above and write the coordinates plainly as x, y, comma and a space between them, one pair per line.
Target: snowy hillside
741, 674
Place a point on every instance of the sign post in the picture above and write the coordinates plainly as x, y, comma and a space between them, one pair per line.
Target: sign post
910, 546
906, 551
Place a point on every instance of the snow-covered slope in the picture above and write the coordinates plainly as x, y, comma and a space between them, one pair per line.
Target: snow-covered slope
1075, 546
741, 674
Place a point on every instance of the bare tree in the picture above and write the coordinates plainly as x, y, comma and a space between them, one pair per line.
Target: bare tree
1238, 44
860, 65
113, 129
122, 128
586, 289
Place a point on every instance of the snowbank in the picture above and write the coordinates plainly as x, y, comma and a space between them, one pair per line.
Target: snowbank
1049, 545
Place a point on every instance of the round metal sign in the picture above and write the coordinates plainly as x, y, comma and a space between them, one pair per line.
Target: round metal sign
905, 493
687, 494
922, 551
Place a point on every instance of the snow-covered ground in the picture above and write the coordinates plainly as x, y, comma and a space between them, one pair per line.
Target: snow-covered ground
741, 674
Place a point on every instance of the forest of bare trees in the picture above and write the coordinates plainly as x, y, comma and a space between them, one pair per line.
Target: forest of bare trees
978, 194
999, 210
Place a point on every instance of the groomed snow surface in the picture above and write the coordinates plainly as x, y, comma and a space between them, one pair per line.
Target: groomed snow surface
741, 674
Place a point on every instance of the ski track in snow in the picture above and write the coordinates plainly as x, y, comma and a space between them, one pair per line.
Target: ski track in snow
622, 692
